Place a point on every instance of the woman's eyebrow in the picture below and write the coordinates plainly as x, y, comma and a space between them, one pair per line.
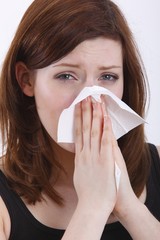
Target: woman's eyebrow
66, 65
78, 66
109, 67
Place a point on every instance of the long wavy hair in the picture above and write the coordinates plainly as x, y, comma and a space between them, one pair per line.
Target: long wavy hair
48, 31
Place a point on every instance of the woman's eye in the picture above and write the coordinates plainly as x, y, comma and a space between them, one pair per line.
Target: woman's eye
65, 76
109, 77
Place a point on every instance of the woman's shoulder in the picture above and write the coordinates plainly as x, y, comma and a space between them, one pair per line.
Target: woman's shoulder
155, 159
5, 223
154, 150
158, 149
4, 214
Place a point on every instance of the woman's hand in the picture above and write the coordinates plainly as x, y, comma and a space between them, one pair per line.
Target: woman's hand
129, 210
126, 197
94, 181
94, 177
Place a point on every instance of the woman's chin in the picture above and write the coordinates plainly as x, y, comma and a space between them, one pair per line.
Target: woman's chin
70, 147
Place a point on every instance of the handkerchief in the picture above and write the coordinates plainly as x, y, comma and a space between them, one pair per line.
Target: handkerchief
123, 118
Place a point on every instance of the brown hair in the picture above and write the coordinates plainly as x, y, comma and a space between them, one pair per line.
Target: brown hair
47, 32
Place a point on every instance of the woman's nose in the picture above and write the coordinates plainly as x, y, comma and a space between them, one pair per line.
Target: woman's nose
90, 82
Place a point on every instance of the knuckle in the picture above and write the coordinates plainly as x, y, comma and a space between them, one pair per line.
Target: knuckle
85, 107
77, 114
94, 133
86, 128
96, 115
78, 132
106, 139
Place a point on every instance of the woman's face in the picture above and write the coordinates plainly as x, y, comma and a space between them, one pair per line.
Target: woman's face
93, 62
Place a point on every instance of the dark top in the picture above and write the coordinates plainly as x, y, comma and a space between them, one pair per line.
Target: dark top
25, 227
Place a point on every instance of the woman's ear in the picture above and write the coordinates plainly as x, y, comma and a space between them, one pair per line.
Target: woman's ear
25, 79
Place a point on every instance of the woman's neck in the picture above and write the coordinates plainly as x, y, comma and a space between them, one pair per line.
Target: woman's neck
66, 159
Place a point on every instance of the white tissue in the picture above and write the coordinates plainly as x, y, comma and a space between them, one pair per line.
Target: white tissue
123, 118
117, 174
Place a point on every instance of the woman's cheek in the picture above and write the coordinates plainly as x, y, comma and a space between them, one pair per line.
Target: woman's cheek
50, 122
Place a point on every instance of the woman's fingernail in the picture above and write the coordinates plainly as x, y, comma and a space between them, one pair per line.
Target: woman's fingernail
93, 100
94, 105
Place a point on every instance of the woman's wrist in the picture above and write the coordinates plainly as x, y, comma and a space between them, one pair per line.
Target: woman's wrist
95, 210
131, 215
129, 209
139, 222
87, 222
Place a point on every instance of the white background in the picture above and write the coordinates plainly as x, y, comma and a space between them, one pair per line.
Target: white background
144, 19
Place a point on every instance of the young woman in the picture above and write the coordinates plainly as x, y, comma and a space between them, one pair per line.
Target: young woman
51, 190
